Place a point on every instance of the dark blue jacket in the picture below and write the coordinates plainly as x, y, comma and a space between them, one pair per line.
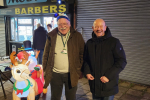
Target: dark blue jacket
39, 38
104, 56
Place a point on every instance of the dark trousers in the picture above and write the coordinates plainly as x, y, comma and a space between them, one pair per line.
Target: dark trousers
103, 98
40, 56
57, 82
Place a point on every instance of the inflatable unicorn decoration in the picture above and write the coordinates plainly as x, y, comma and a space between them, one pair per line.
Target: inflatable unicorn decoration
28, 80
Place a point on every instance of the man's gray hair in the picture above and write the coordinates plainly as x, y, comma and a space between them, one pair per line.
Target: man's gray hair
38, 25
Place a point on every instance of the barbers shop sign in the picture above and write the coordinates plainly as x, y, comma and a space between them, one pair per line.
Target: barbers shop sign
42, 9
18, 2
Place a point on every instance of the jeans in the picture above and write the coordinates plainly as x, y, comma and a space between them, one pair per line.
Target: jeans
40, 56
103, 98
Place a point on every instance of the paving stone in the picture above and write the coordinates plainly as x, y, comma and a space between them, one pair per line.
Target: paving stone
146, 96
8, 83
81, 91
123, 89
80, 84
88, 95
7, 93
148, 90
85, 87
115, 99
46, 96
83, 98
129, 97
78, 96
118, 95
125, 84
139, 87
8, 87
12, 79
8, 97
63, 98
134, 92
63, 91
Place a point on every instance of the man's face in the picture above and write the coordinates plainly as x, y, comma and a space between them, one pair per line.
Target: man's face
49, 28
63, 26
99, 27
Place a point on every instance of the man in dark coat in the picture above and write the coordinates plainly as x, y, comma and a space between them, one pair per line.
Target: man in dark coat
63, 59
39, 40
104, 60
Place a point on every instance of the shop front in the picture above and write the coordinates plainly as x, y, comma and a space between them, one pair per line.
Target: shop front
22, 16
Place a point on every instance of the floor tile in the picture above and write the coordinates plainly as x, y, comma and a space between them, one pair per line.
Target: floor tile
85, 87
88, 95
129, 97
81, 91
134, 93
139, 87
125, 84
146, 96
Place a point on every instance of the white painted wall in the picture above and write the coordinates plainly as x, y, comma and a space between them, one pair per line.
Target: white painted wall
1, 3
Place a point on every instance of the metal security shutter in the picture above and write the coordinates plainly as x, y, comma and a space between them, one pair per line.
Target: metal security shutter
2, 37
129, 21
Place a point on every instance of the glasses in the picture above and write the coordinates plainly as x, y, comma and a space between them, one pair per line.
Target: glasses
62, 24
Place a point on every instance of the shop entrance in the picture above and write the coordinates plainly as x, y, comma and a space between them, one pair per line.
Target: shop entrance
23, 28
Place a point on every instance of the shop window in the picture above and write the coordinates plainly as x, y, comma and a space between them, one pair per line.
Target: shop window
50, 20
14, 29
25, 33
36, 21
24, 21
22, 28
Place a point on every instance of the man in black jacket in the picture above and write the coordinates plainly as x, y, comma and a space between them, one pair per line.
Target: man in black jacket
39, 40
104, 60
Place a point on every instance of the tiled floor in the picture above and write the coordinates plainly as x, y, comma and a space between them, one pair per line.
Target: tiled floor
127, 91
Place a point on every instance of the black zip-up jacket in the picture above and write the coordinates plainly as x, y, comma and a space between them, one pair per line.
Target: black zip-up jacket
104, 56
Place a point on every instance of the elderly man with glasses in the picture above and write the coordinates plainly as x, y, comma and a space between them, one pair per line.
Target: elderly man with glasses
62, 59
